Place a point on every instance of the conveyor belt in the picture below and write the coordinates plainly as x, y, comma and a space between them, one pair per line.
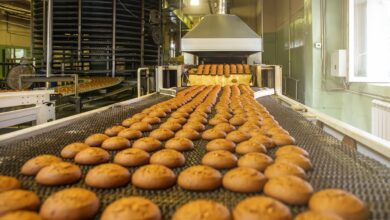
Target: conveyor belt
335, 165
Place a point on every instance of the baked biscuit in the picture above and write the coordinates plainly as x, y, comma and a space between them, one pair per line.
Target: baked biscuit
132, 157
202, 209
200, 178
107, 175
116, 143
95, 140
153, 176
255, 160
220, 159
133, 207
18, 199
60, 173
168, 157
148, 144
244, 179
8, 183
91, 156
70, 150
32, 166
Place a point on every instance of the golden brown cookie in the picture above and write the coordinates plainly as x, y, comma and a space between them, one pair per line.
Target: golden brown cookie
148, 144
212, 134
289, 189
142, 126
226, 127
255, 160
284, 169
200, 178
133, 207
130, 134
282, 139
202, 209
288, 149
129, 121
179, 144
237, 120
114, 130
296, 159
238, 136
197, 126
171, 125
21, 215
60, 173
162, 134
91, 156
261, 207
250, 146
32, 166
153, 176
132, 157
18, 199
70, 150
244, 179
158, 113
314, 215
220, 159
8, 183
188, 133
108, 175
264, 140
221, 144
168, 157
72, 203
339, 202
95, 140
151, 120
116, 143
177, 120
180, 115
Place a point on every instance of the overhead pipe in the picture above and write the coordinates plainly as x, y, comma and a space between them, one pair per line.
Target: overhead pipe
113, 38
49, 39
222, 7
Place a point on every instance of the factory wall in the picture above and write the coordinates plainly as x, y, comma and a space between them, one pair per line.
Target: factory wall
289, 40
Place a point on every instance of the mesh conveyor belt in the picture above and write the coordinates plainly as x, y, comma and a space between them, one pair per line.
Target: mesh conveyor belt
335, 164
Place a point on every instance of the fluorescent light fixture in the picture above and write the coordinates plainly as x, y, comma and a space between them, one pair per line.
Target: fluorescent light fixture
194, 2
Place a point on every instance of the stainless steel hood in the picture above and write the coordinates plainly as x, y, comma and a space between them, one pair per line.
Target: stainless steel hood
222, 35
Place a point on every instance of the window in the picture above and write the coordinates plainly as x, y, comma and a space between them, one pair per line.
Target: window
369, 41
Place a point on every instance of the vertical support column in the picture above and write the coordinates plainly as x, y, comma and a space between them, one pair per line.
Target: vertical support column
113, 38
32, 30
142, 33
79, 32
43, 60
49, 40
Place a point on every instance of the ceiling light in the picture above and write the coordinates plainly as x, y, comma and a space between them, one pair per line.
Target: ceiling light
194, 2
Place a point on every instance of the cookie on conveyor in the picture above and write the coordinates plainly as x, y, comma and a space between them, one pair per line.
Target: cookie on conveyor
221, 144
72, 203
296, 159
142, 126
200, 178
197, 126
70, 150
60, 173
282, 139
18, 199
213, 133
116, 143
238, 136
95, 140
244, 180
188, 133
314, 215
148, 144
91, 156
169, 158
289, 149
284, 169
8, 183
202, 209
179, 144
289, 189
21, 215
151, 120
130, 134
107, 175
132, 208
129, 121
153, 176
114, 130
162, 134
226, 127
32, 166
132, 157
255, 160
339, 202
250, 146
171, 125
261, 207
220, 159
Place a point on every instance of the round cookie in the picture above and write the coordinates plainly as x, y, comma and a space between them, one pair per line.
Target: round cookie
130, 134
180, 115
221, 144
151, 120
8, 183
238, 136
132, 157
168, 157
107, 175
21, 215
148, 144
250, 146
237, 120
114, 130
202, 209
339, 202
95, 140
18, 199
282, 139
296, 159
212, 134
226, 127
179, 144
314, 215
139, 116
199, 119
255, 160
177, 120
129, 121
153, 176
91, 156
72, 203
264, 140
284, 169
289, 189
32, 166
162, 134
60, 173
70, 150
220, 159
188, 133
158, 113
244, 180
197, 126
261, 207
288, 149
142, 126
132, 208
171, 125
200, 178
116, 143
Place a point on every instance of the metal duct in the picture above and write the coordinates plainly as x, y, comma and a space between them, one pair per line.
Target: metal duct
222, 7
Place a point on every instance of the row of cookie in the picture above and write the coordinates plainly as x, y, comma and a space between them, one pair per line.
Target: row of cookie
221, 69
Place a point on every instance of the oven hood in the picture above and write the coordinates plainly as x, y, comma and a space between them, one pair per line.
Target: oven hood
222, 35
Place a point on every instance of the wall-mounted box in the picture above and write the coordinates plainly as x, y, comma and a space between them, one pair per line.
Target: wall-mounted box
339, 63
